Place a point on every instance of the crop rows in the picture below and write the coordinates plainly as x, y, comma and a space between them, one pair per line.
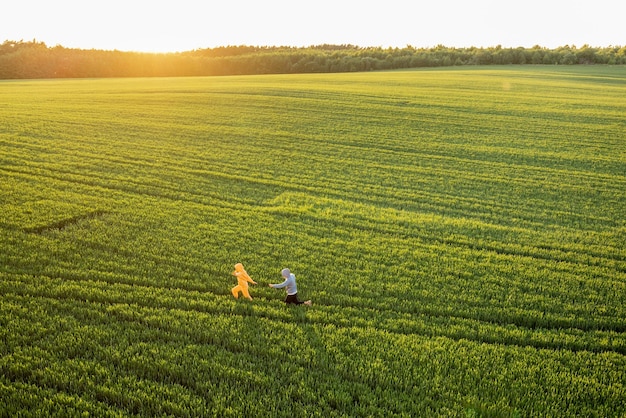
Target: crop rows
460, 232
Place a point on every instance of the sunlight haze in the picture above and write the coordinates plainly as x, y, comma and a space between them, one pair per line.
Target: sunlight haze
174, 26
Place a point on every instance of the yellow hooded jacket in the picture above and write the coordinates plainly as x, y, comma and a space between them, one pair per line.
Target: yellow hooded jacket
242, 282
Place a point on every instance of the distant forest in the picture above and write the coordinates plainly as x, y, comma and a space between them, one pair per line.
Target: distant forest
25, 60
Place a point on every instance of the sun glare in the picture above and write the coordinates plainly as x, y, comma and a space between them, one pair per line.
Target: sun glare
186, 25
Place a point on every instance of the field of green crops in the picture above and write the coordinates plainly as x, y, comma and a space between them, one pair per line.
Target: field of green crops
461, 233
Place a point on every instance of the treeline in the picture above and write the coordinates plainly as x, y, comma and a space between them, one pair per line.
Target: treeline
36, 60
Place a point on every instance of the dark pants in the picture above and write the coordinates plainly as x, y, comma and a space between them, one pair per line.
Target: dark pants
293, 299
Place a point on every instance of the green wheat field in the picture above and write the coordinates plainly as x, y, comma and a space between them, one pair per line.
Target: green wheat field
461, 233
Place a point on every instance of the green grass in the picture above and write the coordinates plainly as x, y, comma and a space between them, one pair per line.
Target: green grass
460, 231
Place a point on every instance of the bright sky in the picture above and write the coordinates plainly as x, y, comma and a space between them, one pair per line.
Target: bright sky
183, 25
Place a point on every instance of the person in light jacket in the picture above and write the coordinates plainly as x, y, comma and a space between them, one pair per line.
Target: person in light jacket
290, 286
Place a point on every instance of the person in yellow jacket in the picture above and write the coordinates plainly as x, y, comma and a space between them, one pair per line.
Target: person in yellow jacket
242, 282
